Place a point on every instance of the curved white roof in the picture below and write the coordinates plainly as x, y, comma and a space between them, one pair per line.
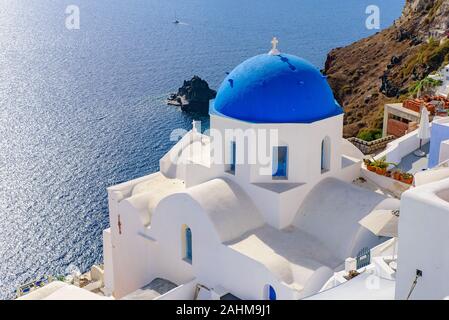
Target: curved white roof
147, 195
356, 289
325, 232
331, 213
230, 210
290, 254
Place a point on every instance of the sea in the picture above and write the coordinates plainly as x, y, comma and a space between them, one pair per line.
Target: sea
82, 105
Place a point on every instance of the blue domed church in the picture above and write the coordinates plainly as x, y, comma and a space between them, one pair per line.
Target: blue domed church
275, 88
260, 206
281, 106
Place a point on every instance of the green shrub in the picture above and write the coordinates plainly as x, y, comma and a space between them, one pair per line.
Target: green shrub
423, 85
370, 134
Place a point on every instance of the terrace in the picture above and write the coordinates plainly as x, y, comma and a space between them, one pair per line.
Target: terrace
413, 164
398, 165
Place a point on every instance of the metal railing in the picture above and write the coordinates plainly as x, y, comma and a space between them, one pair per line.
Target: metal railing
33, 285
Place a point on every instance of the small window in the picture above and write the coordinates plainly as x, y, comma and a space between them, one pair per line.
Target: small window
280, 163
187, 243
233, 157
325, 155
230, 164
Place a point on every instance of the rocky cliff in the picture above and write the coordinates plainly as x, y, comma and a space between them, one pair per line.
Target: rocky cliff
194, 95
383, 68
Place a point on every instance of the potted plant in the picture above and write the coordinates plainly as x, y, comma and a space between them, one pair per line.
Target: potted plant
388, 173
381, 170
352, 274
397, 175
407, 178
381, 165
369, 165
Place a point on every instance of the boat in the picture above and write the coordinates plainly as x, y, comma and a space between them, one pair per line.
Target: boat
176, 21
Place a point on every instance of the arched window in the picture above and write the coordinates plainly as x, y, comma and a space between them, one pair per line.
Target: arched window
270, 293
187, 243
325, 155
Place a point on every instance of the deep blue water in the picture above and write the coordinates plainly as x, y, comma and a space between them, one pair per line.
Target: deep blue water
84, 109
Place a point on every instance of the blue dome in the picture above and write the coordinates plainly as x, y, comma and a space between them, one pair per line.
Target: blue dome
275, 89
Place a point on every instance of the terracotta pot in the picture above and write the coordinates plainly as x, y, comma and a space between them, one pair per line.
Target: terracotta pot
371, 168
407, 181
381, 171
397, 176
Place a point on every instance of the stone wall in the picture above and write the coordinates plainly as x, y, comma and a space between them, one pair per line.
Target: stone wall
371, 146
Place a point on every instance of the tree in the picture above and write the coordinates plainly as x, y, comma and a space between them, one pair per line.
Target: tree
423, 85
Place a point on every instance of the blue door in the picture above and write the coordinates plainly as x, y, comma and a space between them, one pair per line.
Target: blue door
188, 244
280, 162
271, 293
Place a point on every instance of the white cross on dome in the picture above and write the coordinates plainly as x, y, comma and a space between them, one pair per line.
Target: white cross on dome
274, 50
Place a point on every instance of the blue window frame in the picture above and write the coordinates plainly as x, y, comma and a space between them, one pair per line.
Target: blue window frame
188, 240
280, 162
233, 157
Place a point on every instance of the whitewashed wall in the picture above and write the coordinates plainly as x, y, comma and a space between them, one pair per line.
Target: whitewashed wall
108, 262
423, 242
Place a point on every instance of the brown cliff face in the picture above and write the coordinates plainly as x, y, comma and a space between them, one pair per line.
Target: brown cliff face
381, 68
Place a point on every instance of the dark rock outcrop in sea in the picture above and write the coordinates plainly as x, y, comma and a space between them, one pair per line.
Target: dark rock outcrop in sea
194, 95
386, 65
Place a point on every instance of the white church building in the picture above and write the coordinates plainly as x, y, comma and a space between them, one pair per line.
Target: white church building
217, 216
272, 203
